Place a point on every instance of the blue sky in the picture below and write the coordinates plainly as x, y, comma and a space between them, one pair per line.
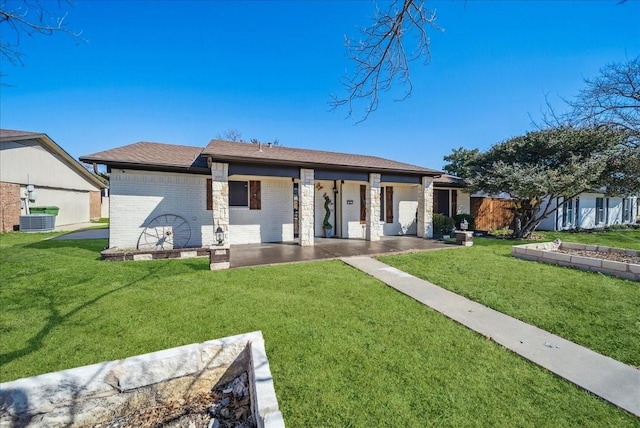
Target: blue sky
183, 72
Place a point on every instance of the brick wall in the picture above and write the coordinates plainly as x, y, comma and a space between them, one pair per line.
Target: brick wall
95, 208
9, 206
137, 197
273, 222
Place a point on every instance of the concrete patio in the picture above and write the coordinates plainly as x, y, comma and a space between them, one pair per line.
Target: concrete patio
328, 248
290, 252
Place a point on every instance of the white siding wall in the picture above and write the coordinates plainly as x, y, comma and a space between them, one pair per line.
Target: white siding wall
587, 211
614, 214
56, 182
273, 222
73, 205
137, 197
550, 222
28, 162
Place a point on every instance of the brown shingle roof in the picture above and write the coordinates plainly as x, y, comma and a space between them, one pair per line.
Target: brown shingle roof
159, 155
6, 134
449, 180
151, 154
248, 152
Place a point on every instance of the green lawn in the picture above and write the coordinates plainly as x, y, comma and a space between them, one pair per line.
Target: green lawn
344, 349
597, 311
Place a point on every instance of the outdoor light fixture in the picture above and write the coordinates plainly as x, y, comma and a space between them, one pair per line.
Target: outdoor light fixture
335, 190
219, 235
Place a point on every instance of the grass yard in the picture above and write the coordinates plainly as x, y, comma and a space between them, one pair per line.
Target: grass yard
597, 311
344, 349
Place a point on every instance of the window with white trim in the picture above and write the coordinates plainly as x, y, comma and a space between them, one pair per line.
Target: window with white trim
599, 211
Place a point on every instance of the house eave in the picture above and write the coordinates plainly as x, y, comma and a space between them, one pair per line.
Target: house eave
317, 165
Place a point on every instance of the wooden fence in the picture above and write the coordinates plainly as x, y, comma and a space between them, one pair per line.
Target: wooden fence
491, 213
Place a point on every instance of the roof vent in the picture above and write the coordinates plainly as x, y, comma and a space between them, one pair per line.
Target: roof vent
37, 223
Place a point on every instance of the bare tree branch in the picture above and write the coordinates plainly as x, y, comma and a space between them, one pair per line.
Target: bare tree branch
610, 100
230, 135
28, 18
381, 58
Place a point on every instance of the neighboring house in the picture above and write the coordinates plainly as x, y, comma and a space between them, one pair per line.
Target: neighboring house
260, 193
32, 158
449, 197
590, 211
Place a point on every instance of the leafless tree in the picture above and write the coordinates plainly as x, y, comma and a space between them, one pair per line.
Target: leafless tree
612, 99
382, 58
28, 18
230, 135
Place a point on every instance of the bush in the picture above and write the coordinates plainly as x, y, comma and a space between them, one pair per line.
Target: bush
443, 225
458, 219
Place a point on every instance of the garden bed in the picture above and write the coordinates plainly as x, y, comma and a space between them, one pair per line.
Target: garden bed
226, 379
617, 262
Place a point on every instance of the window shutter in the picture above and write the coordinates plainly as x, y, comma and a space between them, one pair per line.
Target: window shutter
435, 201
209, 190
382, 204
454, 202
363, 203
254, 195
388, 204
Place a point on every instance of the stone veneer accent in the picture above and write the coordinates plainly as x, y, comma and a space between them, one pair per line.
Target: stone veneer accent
546, 253
425, 208
220, 199
99, 393
307, 192
373, 208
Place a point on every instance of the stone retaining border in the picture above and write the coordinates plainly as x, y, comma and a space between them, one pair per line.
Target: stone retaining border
546, 253
117, 254
104, 391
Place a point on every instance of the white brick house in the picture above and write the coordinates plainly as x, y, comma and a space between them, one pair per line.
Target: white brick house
259, 193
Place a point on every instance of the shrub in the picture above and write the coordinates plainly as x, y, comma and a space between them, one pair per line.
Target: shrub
442, 224
458, 219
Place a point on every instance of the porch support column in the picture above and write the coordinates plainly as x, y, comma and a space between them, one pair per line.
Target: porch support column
307, 193
425, 208
373, 208
219, 254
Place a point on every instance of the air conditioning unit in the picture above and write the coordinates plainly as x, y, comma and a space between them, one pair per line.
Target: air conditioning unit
37, 223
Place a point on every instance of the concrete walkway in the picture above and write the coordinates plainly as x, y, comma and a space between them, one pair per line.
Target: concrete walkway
605, 377
97, 233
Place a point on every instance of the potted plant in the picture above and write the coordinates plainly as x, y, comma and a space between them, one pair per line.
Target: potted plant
442, 226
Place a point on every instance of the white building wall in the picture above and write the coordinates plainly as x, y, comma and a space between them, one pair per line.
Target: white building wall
137, 197
550, 222
405, 208
352, 228
28, 162
464, 203
614, 214
73, 205
273, 222
587, 211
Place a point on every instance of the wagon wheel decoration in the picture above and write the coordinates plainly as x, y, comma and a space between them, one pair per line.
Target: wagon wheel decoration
165, 232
